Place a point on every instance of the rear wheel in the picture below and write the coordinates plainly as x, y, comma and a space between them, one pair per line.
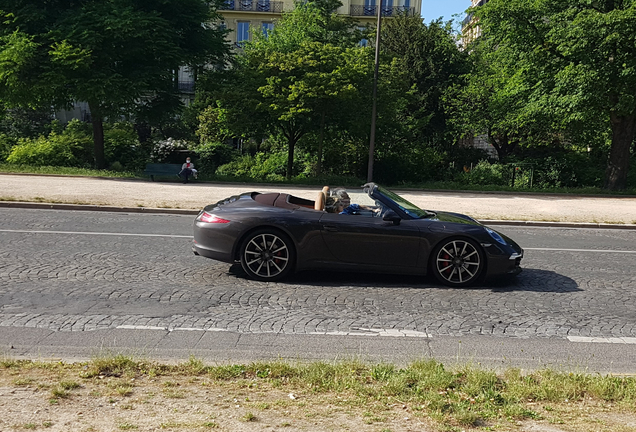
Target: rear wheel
457, 262
267, 255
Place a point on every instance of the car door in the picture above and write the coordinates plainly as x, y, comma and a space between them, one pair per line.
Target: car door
355, 239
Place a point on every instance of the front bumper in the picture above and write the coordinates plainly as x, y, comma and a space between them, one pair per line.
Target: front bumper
503, 261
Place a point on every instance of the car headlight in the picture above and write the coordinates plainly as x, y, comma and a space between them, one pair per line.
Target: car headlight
495, 235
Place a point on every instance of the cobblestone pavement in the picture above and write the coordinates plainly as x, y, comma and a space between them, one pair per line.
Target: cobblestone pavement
72, 282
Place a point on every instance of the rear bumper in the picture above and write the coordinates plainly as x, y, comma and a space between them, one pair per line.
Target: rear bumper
212, 254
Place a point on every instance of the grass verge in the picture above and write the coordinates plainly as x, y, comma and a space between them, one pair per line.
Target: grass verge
313, 396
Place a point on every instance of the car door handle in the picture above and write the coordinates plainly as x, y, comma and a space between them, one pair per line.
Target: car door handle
329, 228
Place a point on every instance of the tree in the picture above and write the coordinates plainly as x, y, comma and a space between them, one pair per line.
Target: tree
433, 63
579, 59
109, 53
495, 104
291, 81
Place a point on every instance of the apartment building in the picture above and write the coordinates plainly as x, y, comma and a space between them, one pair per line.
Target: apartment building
470, 27
245, 16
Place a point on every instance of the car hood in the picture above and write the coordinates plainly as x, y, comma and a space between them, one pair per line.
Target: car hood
455, 218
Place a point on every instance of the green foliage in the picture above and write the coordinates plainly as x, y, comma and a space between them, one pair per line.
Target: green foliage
6, 144
421, 165
308, 68
261, 167
212, 155
107, 53
25, 123
486, 173
433, 63
573, 62
71, 147
121, 146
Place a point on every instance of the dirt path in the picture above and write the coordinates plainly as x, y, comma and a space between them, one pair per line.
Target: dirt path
139, 193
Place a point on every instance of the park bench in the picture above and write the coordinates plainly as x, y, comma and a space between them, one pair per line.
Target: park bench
162, 170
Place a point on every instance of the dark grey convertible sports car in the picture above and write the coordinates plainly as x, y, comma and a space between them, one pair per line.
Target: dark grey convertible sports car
274, 234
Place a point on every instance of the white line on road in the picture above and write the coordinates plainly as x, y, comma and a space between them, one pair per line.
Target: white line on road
580, 250
361, 332
94, 233
612, 340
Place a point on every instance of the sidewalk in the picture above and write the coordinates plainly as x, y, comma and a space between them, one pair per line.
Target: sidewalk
136, 194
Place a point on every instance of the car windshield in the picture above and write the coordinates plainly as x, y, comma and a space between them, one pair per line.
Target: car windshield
407, 207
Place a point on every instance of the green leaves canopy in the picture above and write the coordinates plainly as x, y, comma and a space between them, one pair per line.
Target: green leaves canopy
579, 59
109, 53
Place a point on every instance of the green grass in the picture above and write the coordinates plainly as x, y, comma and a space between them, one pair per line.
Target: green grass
465, 396
71, 171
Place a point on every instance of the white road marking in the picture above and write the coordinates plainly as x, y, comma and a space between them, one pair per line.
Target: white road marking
140, 327
360, 332
94, 233
612, 340
580, 250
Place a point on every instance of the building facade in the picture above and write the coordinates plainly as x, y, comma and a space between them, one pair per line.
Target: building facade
470, 27
243, 17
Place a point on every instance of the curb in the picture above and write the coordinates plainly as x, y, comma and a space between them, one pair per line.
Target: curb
150, 210
90, 207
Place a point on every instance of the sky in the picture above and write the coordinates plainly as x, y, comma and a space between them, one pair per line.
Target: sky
433, 9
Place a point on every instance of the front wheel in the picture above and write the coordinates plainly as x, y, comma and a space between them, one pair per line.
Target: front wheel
267, 255
457, 262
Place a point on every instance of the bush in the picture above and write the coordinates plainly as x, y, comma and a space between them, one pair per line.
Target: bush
264, 167
485, 173
421, 165
6, 144
71, 147
121, 146
162, 149
213, 155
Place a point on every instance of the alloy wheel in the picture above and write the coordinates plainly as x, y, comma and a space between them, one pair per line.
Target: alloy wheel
458, 262
266, 256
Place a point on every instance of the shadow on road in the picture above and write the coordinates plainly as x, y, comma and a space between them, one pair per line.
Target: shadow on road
535, 280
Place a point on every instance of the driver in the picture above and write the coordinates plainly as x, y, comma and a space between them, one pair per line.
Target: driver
342, 205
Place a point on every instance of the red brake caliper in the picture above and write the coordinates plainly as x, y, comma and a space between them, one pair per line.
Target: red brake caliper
447, 265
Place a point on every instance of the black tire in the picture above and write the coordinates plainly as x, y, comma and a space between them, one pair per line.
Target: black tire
457, 262
267, 255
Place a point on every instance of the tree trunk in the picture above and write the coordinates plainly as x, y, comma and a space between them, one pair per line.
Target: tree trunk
98, 135
504, 146
320, 142
623, 133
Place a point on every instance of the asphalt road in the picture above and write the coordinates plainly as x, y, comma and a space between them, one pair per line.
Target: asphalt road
78, 284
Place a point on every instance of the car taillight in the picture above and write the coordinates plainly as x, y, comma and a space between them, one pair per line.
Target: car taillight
210, 218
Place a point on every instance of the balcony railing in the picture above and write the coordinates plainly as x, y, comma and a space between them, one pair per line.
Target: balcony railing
362, 10
253, 6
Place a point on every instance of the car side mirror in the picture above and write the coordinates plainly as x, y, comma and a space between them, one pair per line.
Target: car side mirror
391, 216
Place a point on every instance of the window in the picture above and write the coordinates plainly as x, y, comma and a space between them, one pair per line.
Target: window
363, 42
242, 32
369, 7
267, 27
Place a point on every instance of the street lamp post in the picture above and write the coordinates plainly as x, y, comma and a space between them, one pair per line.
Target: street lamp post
375, 95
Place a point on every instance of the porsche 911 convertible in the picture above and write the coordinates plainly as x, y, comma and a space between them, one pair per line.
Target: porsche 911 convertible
275, 234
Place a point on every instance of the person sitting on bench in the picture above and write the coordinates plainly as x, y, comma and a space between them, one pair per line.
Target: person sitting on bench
187, 170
